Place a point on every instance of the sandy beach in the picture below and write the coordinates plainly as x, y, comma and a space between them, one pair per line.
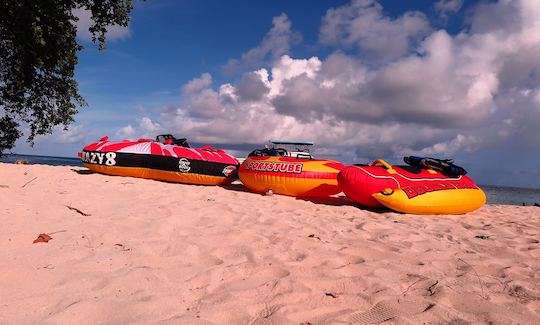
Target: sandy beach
134, 251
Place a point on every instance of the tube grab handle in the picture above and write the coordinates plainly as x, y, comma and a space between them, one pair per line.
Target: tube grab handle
387, 166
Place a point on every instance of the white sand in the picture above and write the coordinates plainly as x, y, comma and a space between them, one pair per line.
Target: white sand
154, 252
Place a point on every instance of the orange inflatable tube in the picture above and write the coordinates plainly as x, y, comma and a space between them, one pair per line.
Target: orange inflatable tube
290, 176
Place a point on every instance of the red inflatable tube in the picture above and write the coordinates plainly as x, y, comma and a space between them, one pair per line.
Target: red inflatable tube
360, 182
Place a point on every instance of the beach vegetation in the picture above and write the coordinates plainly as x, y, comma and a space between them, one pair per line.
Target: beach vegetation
38, 55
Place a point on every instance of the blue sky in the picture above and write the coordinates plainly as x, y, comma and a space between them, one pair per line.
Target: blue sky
363, 79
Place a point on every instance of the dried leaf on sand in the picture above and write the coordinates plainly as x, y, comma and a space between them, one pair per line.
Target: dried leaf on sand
42, 238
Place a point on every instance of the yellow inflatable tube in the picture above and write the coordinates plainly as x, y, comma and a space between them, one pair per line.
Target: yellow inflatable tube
444, 201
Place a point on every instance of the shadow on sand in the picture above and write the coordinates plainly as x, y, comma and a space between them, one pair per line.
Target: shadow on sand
340, 200
330, 200
83, 171
239, 187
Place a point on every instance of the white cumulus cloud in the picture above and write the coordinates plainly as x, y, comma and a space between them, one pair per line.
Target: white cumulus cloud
197, 84
380, 38
73, 134
146, 128
126, 132
444, 8
433, 93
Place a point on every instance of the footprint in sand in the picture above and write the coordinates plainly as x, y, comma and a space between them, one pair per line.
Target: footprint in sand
487, 312
267, 316
389, 309
342, 261
337, 287
234, 255
255, 280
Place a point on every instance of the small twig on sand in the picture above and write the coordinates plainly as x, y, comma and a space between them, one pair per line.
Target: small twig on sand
431, 287
410, 286
479, 280
29, 182
502, 283
55, 232
78, 211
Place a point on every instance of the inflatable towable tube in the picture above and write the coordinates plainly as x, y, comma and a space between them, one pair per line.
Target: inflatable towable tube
293, 173
410, 189
437, 198
166, 159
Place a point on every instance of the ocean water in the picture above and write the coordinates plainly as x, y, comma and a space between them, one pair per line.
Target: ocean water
511, 195
44, 160
495, 194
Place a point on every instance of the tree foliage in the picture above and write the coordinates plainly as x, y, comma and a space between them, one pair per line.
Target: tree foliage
38, 54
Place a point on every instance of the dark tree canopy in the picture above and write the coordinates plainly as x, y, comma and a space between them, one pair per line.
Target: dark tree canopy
38, 54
